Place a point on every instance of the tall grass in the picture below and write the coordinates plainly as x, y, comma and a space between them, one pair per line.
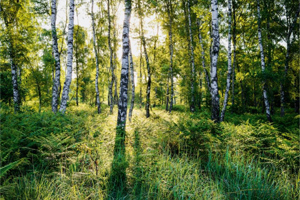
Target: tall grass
168, 156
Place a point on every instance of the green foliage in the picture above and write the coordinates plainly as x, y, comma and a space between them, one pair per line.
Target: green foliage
167, 156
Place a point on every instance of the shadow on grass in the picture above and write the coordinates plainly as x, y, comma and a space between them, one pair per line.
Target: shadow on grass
117, 181
137, 167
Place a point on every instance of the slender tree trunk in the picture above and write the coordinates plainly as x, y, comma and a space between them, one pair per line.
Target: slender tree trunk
167, 96
132, 83
56, 82
266, 101
286, 66
40, 97
115, 66
116, 92
149, 78
192, 106
111, 101
65, 94
123, 97
203, 56
14, 75
234, 54
141, 84
214, 57
229, 63
97, 62
170, 13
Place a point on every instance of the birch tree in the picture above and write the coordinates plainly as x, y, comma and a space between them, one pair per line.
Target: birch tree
149, 77
123, 97
56, 83
9, 17
66, 88
214, 61
97, 61
262, 57
192, 106
229, 63
290, 29
132, 83
234, 52
170, 13
110, 93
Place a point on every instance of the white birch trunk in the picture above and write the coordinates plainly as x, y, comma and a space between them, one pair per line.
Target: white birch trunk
66, 88
214, 61
192, 107
97, 62
56, 82
266, 101
123, 97
229, 63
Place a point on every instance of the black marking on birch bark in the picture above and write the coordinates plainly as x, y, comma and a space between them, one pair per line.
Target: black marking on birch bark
66, 88
123, 97
214, 60
229, 63
266, 101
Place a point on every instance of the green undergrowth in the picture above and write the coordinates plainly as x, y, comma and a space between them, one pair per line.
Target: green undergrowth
167, 156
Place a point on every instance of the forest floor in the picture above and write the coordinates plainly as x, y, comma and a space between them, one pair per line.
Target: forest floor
168, 156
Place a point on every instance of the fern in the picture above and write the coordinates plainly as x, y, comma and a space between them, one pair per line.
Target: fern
6, 168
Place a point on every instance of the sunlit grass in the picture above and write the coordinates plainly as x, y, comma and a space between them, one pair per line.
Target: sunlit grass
169, 156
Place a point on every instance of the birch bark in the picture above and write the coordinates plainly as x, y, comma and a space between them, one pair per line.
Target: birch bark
265, 95
229, 63
192, 106
132, 83
123, 97
214, 61
170, 12
97, 62
56, 82
111, 102
66, 88
234, 53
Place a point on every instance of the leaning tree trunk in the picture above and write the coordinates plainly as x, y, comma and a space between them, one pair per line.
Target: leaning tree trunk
124, 72
229, 63
192, 107
111, 102
214, 58
203, 56
132, 83
263, 64
234, 54
286, 67
170, 12
65, 94
56, 82
97, 62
